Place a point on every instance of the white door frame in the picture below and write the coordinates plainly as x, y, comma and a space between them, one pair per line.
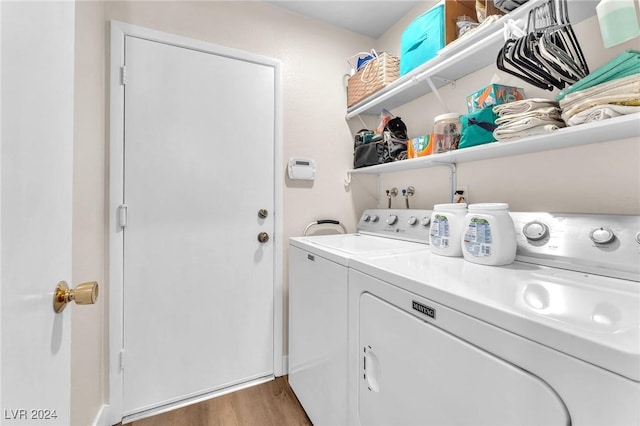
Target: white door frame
119, 30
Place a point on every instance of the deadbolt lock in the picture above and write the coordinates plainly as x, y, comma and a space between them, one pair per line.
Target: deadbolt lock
263, 213
83, 294
263, 237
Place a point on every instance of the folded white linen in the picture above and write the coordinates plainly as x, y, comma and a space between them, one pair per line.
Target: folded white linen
599, 100
601, 112
510, 134
526, 127
544, 113
626, 84
620, 90
523, 106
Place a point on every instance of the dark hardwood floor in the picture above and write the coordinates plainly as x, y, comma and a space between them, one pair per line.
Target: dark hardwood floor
271, 403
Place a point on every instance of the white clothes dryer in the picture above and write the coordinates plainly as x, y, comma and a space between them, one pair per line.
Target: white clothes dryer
318, 280
552, 339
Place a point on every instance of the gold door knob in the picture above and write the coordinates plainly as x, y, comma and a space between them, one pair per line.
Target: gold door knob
263, 237
83, 294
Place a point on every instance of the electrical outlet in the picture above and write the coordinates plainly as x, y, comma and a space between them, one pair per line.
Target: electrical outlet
465, 192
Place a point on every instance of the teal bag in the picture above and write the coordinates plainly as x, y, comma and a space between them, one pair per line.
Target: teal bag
477, 128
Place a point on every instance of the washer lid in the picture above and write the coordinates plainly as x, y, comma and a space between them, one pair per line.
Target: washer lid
591, 317
342, 247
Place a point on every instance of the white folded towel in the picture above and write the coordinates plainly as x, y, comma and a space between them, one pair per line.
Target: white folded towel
601, 112
543, 113
510, 134
523, 106
620, 90
528, 126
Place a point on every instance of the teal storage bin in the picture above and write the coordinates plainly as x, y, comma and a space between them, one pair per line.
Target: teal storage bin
422, 39
477, 128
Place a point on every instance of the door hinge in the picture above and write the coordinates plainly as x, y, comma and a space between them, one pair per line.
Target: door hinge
122, 360
122, 215
123, 75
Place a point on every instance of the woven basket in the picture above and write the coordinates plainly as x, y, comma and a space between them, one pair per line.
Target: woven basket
375, 75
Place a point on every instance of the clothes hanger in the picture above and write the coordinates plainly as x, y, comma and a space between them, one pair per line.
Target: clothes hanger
561, 41
503, 59
549, 55
564, 18
526, 52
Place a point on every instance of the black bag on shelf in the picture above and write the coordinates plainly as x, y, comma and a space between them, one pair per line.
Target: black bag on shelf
379, 149
395, 136
367, 150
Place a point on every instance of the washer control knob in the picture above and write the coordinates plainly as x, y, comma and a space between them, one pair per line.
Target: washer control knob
366, 217
374, 218
392, 219
425, 221
602, 236
412, 220
535, 231
638, 237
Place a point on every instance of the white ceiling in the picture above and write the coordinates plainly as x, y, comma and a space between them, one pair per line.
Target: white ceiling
369, 17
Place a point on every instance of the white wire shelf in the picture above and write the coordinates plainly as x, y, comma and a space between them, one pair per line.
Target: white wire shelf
462, 58
624, 127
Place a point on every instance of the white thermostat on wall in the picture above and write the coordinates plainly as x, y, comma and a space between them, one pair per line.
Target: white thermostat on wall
302, 168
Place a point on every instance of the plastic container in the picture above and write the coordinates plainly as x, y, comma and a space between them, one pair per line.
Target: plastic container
447, 222
489, 236
618, 21
446, 132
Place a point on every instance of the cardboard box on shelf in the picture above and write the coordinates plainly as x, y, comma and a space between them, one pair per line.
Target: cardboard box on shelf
455, 8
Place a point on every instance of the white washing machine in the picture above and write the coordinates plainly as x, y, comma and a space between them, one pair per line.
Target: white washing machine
552, 339
318, 280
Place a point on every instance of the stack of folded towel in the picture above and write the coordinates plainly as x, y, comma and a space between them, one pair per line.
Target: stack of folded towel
610, 91
527, 117
602, 101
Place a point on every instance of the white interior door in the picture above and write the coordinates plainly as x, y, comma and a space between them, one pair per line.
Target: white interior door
36, 121
198, 166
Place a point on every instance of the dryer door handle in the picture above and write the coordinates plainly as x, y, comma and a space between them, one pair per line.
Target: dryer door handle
371, 368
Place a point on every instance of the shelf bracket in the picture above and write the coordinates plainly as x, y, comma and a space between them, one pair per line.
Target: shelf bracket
453, 178
347, 182
434, 89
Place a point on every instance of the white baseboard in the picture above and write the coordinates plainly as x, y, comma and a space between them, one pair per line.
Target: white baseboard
102, 418
194, 400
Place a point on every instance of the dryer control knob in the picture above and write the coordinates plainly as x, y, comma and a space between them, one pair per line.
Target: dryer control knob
412, 220
392, 219
374, 218
602, 236
535, 231
638, 237
366, 217
425, 221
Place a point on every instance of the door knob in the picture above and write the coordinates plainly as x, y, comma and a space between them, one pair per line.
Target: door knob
83, 294
263, 213
263, 237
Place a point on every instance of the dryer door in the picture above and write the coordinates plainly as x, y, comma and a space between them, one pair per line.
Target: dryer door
412, 372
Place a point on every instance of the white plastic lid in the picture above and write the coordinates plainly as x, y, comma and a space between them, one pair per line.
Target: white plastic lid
450, 206
489, 206
448, 116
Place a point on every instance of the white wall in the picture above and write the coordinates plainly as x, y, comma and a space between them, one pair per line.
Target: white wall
599, 178
89, 326
313, 55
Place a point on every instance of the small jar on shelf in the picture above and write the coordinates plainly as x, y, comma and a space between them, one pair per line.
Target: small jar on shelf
446, 132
